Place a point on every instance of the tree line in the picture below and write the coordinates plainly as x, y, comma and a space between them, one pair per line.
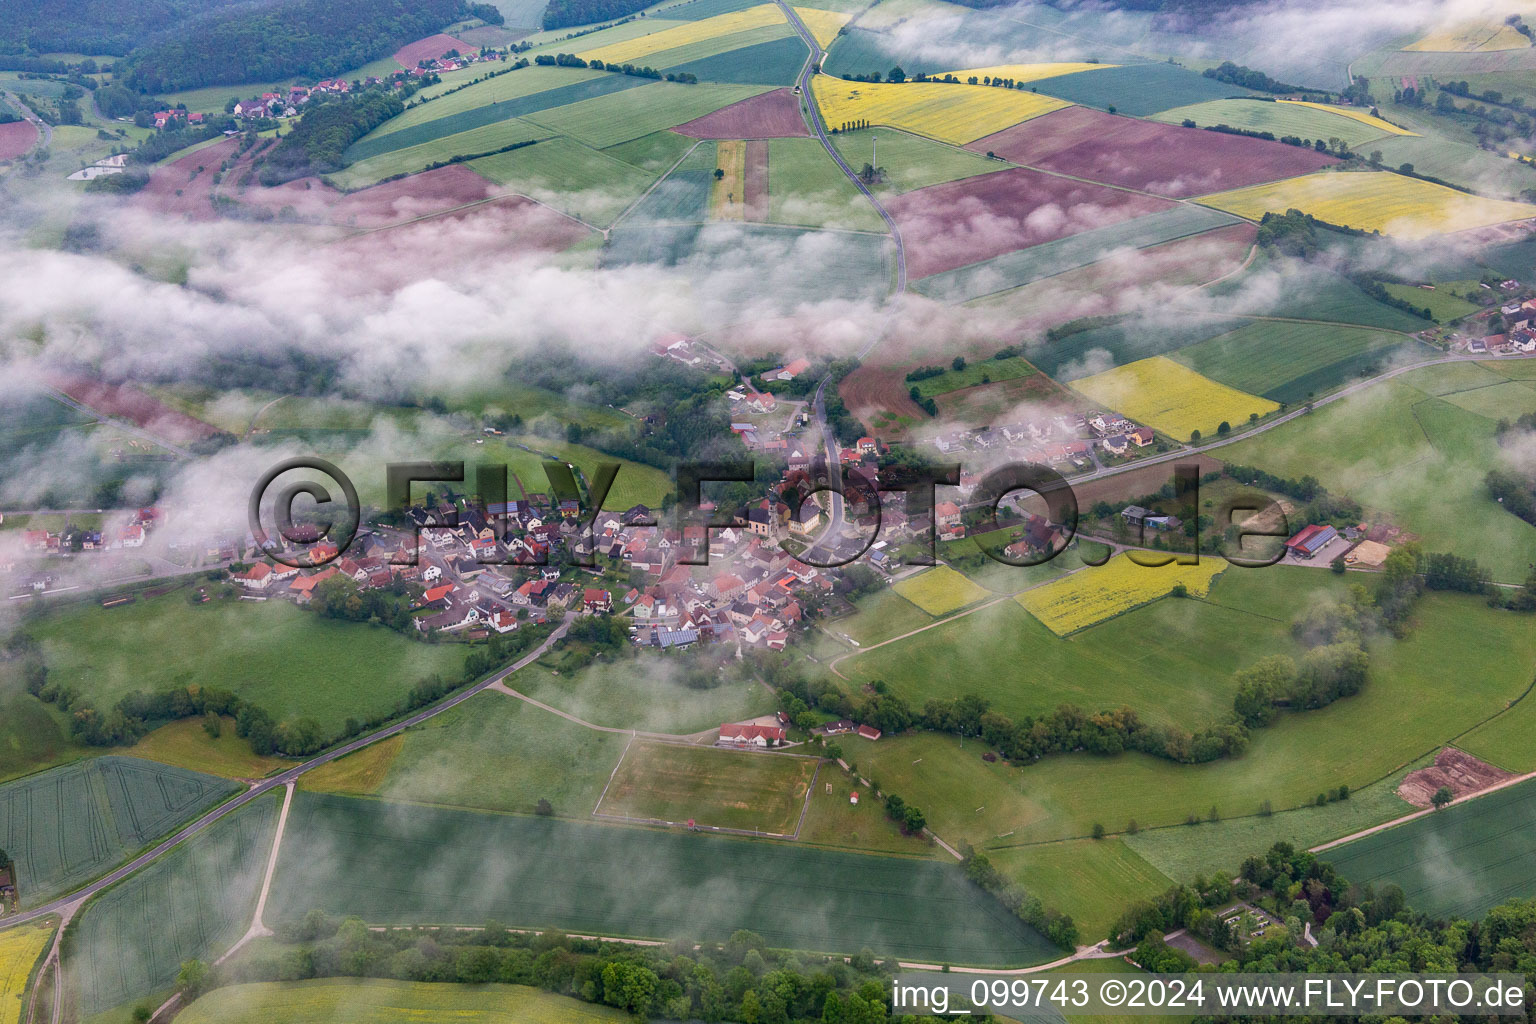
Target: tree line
566, 13
318, 144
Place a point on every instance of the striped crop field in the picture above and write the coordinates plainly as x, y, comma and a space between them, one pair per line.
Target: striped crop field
1354, 115
1099, 593
1373, 201
728, 191
1302, 121
1027, 72
631, 50
1171, 398
950, 113
824, 25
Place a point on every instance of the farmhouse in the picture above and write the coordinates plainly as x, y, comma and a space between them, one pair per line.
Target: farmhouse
1311, 540
749, 734
257, 577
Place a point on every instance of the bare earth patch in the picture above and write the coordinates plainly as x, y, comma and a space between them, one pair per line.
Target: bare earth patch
1457, 769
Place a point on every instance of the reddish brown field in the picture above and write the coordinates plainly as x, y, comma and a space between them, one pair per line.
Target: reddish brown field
180, 188
125, 402
420, 195
769, 115
16, 138
872, 389
431, 48
1457, 769
1163, 159
991, 403
961, 222
756, 198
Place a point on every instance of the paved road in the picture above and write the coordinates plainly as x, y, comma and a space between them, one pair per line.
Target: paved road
269, 784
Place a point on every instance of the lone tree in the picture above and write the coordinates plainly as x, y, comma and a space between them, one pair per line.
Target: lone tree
1442, 796
719, 173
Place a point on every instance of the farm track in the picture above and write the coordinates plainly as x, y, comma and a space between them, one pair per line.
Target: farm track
70, 902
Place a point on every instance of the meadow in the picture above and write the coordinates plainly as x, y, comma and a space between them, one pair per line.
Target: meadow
831, 820
1014, 269
1092, 880
493, 753
1458, 861
1418, 456
979, 371
1506, 741
910, 161
1007, 656
1098, 593
1373, 201
20, 948
69, 824
1290, 362
949, 113
1441, 303
641, 693
185, 743
345, 856
1308, 292
877, 617
192, 903
1172, 398
1305, 121
721, 788
374, 1001
940, 590
807, 189
293, 663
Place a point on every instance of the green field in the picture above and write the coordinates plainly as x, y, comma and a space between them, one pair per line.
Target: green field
1459, 161
1291, 362
641, 693
879, 617
1280, 118
683, 195
1137, 89
1015, 269
1399, 447
911, 161
1004, 654
1442, 305
1506, 741
635, 482
186, 744
1459, 861
67, 825
1092, 880
348, 857
980, 371
515, 85
371, 1001
775, 62
1406, 710
290, 662
497, 753
721, 788
1302, 291
719, 46
655, 153
417, 158
569, 176
806, 188
609, 120
193, 902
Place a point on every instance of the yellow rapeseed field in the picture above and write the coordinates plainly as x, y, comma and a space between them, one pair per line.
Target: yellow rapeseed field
824, 25
631, 50
1355, 115
1471, 37
19, 949
1171, 397
1372, 201
728, 194
1026, 72
950, 113
1093, 595
940, 590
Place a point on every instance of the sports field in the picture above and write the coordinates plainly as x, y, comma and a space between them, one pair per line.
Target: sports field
293, 663
724, 788
375, 1001
1094, 594
1373, 201
20, 948
1459, 861
1288, 362
345, 856
1048, 259
192, 903
949, 113
1171, 397
940, 590
1304, 121
67, 825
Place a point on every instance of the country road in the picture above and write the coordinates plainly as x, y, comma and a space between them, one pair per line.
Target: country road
271, 783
